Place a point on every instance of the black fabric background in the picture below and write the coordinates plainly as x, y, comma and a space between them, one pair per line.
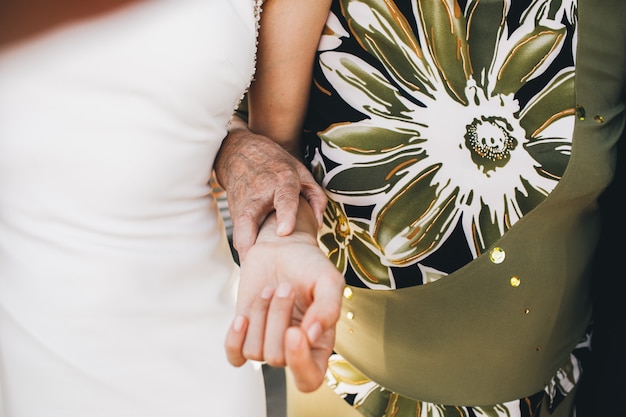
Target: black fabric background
604, 380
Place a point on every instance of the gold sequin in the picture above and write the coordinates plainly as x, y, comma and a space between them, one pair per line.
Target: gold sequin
347, 293
350, 315
515, 281
599, 119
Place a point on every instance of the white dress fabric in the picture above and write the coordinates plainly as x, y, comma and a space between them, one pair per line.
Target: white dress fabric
116, 280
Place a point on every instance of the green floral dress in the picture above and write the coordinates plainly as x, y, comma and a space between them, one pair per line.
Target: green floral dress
434, 126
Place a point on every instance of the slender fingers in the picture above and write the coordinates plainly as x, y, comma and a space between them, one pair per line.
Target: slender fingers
235, 338
254, 341
279, 318
261, 337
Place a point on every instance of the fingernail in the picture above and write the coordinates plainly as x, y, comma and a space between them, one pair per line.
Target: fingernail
238, 323
267, 292
314, 331
281, 229
283, 290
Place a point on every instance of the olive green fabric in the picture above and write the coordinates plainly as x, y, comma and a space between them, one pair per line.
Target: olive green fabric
453, 340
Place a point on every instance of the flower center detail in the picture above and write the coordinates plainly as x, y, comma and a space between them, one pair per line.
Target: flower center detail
490, 142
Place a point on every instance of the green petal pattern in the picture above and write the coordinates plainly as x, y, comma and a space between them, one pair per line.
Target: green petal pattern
443, 138
444, 31
369, 19
525, 57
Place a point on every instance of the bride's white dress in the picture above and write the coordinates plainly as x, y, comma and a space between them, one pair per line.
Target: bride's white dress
116, 279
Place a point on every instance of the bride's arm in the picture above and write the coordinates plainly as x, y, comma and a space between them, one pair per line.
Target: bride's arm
288, 39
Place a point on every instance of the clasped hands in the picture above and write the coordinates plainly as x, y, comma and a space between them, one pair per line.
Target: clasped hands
289, 296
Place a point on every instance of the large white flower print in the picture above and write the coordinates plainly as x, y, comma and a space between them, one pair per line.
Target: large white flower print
444, 138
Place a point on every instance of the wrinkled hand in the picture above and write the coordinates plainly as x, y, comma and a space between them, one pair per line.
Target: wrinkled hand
259, 176
288, 303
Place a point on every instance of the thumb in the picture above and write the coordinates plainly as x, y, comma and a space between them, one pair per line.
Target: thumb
306, 373
325, 309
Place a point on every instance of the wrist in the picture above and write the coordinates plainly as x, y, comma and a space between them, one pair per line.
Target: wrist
304, 232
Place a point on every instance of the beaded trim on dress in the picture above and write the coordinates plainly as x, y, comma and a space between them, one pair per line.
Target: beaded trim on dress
258, 8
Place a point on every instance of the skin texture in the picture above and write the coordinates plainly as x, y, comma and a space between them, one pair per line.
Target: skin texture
279, 180
285, 316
